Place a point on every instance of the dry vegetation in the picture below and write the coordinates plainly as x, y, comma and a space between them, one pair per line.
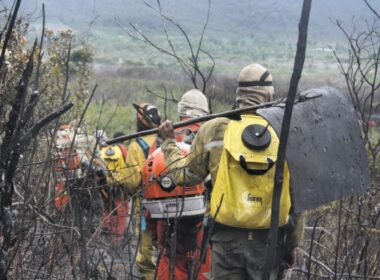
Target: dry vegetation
40, 242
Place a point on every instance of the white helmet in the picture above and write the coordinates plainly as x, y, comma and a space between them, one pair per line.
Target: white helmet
193, 104
255, 86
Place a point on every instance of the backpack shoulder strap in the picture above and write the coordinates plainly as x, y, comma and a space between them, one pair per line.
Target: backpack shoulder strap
124, 151
144, 146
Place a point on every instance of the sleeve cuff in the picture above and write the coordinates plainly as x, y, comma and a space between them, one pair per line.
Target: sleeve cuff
168, 142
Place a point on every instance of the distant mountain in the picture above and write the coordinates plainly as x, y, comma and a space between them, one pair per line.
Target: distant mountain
241, 18
238, 31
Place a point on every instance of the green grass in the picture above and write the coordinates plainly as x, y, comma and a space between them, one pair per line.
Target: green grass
110, 117
113, 46
134, 66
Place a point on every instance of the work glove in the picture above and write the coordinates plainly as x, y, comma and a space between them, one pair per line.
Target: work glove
166, 130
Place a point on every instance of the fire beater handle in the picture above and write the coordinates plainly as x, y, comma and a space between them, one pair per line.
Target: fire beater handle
231, 113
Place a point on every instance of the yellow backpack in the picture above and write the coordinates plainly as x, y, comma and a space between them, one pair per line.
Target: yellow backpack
114, 160
243, 189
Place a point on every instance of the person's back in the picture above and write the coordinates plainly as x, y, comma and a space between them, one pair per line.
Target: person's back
188, 232
114, 194
216, 143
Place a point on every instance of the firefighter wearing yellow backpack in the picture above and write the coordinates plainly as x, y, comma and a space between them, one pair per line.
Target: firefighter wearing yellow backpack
240, 155
115, 201
148, 116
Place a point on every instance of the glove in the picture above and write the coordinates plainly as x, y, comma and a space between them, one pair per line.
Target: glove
166, 130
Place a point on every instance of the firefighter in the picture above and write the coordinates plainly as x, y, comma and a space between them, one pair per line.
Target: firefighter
147, 117
116, 204
178, 237
78, 171
242, 183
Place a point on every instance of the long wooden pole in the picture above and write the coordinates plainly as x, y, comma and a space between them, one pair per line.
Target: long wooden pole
285, 127
231, 113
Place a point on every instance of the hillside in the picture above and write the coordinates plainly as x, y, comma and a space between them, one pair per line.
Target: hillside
249, 30
252, 18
